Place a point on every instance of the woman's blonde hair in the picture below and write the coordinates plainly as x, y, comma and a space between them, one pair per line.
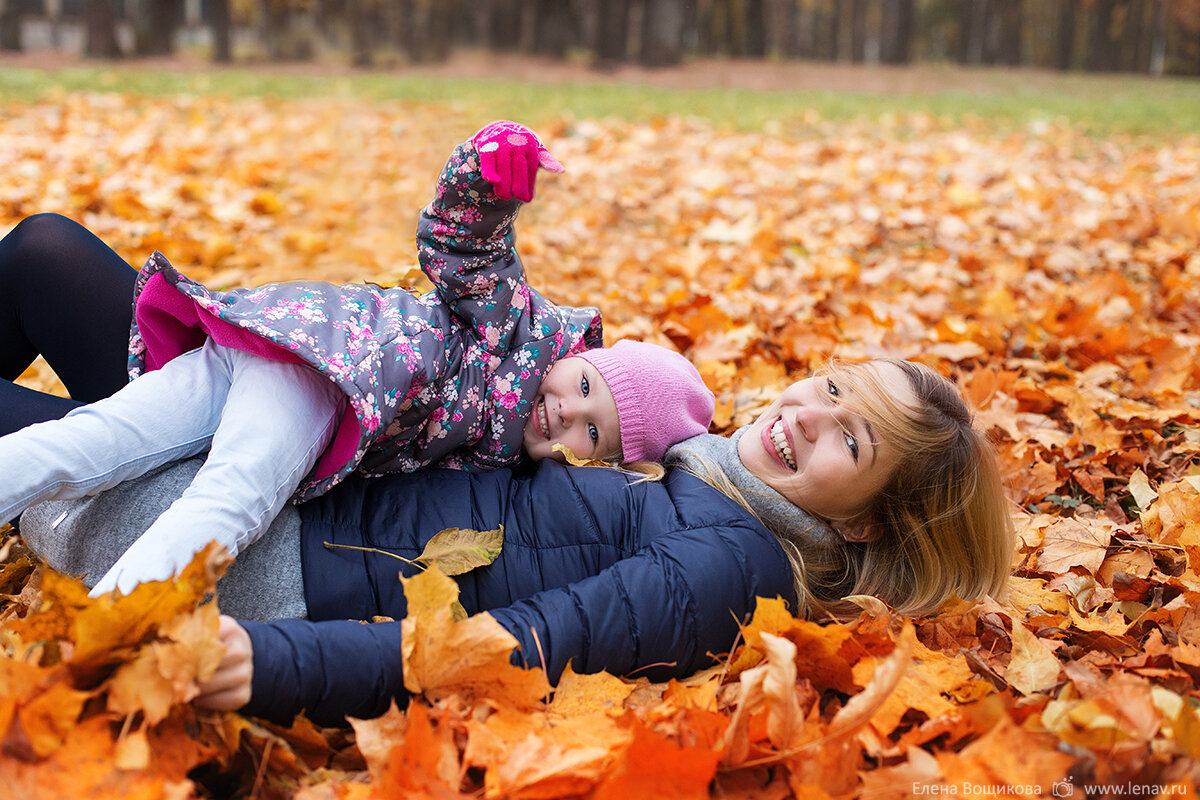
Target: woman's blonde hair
940, 526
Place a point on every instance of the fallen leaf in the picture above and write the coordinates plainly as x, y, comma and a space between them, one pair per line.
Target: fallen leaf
460, 550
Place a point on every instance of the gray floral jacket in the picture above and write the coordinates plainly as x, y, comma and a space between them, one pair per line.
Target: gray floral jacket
444, 378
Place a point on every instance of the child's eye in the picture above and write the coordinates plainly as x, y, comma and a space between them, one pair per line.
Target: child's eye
852, 443
583, 385
594, 433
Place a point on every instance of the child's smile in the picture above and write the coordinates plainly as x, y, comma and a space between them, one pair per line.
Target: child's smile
574, 408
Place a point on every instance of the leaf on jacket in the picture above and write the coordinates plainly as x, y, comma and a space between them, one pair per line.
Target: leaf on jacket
459, 550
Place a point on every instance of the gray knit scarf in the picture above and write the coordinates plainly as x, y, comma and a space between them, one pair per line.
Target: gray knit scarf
703, 453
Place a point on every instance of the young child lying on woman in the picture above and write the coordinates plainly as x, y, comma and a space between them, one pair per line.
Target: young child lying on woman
292, 386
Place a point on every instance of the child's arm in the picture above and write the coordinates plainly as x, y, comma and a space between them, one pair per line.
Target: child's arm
465, 236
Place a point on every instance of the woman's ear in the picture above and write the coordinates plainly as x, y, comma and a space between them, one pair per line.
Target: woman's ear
861, 528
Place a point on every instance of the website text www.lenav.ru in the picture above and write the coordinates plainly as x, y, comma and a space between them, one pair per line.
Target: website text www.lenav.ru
1064, 788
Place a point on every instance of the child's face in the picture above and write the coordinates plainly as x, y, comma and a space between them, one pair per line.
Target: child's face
573, 407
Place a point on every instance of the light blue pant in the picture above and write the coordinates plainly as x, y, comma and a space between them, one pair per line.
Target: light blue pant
263, 422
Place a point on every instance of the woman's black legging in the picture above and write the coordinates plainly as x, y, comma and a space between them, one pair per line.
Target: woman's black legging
67, 296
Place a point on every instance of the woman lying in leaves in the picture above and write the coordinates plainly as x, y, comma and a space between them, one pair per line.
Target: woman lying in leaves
867, 479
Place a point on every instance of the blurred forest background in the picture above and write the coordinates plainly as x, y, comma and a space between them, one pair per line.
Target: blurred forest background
1142, 36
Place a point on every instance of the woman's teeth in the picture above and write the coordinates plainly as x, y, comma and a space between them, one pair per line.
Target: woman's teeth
543, 419
779, 438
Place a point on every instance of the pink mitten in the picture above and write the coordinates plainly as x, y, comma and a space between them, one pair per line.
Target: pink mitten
509, 155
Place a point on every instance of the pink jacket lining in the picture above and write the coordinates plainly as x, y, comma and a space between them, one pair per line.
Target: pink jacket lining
171, 324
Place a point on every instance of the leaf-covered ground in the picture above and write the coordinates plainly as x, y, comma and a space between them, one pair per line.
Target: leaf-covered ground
1052, 274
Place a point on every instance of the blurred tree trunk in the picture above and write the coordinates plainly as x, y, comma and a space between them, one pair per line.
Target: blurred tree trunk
441, 21
427, 36
788, 20
754, 26
612, 34
858, 30
501, 24
1101, 53
360, 22
972, 31
154, 23
418, 31
826, 29
101, 36
1136, 36
727, 28
1158, 39
1008, 34
806, 31
898, 29
54, 15
552, 27
1181, 39
222, 31
662, 33
10, 25
706, 43
272, 18
1064, 52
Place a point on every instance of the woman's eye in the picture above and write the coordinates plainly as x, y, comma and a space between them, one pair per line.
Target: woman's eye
852, 443
833, 389
594, 433
583, 385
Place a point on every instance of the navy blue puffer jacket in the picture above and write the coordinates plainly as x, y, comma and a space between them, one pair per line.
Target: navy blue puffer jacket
611, 573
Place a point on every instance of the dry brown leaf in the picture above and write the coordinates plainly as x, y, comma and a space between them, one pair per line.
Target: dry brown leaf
459, 550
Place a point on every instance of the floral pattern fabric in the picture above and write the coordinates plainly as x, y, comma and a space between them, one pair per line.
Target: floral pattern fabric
447, 378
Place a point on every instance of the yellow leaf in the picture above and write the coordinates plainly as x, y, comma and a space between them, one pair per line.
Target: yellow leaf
1139, 487
922, 686
1033, 667
576, 461
105, 629
49, 718
459, 550
576, 695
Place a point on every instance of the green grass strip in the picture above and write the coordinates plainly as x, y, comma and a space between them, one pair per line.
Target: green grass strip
1103, 105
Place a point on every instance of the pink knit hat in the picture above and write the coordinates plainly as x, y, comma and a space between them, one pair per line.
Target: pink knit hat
661, 398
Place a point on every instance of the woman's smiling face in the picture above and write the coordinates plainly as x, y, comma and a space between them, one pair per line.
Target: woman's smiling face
820, 454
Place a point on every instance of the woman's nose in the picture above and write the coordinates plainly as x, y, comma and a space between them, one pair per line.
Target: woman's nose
811, 420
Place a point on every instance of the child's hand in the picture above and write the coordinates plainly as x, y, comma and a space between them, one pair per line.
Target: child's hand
510, 155
229, 687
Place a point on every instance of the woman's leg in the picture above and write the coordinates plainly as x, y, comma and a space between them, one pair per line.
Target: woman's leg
85, 537
66, 295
